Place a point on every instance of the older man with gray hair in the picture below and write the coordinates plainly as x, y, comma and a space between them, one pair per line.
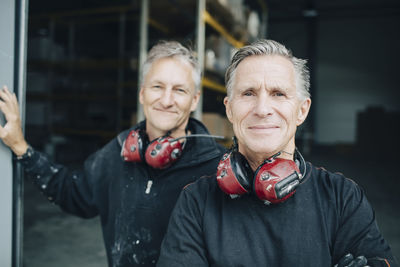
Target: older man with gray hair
134, 181
267, 206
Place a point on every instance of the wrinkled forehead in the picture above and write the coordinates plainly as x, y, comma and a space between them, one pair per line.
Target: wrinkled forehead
172, 70
266, 70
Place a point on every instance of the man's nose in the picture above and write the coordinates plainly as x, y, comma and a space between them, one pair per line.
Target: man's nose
167, 98
263, 106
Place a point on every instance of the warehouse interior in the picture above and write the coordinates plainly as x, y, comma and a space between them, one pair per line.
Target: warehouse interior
83, 59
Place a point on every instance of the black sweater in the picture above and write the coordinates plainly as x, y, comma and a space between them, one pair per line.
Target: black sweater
327, 217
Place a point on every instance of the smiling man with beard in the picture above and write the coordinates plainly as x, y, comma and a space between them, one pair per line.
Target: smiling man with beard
133, 182
267, 206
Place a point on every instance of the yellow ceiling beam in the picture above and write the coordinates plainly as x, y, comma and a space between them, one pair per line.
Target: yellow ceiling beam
219, 28
213, 85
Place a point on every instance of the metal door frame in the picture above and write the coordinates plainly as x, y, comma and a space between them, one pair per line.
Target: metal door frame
13, 32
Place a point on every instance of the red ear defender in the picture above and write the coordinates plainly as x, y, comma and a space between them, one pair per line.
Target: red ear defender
163, 152
273, 182
160, 153
276, 180
133, 146
234, 174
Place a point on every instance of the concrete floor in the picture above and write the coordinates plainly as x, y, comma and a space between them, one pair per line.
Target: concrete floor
52, 238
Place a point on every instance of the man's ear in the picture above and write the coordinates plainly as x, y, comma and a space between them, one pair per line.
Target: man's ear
141, 100
303, 111
228, 109
195, 101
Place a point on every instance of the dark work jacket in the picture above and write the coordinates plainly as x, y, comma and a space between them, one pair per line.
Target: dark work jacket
327, 217
134, 201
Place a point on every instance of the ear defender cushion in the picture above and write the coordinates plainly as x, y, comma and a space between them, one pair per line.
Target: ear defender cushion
133, 146
162, 153
276, 180
234, 175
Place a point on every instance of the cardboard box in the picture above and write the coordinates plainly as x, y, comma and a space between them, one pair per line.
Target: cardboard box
217, 124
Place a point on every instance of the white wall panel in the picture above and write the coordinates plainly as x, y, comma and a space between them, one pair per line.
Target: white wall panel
7, 20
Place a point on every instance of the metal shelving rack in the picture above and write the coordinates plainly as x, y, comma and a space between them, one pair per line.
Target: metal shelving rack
203, 17
122, 15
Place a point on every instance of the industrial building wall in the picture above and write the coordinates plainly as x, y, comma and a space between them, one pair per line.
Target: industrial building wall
355, 69
7, 26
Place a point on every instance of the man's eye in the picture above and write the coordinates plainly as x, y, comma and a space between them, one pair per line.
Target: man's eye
180, 90
248, 93
278, 94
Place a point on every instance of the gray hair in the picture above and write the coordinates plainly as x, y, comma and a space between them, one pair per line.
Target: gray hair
270, 47
172, 49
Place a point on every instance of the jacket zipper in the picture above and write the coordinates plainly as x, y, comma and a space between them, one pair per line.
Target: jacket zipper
148, 187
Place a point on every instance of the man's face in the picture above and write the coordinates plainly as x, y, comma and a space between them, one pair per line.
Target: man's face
264, 108
168, 96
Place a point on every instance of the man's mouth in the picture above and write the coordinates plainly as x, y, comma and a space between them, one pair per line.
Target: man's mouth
264, 127
164, 110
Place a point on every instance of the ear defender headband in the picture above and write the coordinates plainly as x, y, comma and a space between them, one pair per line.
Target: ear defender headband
274, 181
160, 153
